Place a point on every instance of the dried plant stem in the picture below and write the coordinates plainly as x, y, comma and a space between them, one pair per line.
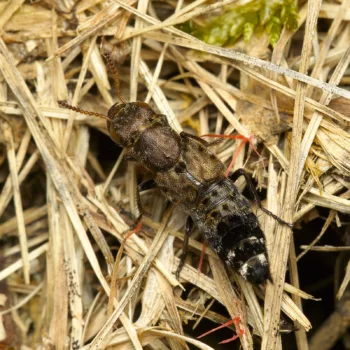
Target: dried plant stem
7, 190
7, 132
58, 173
231, 301
71, 212
109, 13
281, 245
156, 245
77, 92
195, 44
10, 9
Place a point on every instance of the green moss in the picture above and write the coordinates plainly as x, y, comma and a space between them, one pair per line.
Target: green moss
237, 21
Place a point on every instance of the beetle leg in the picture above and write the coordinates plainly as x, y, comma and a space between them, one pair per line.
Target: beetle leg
240, 172
143, 186
215, 142
189, 229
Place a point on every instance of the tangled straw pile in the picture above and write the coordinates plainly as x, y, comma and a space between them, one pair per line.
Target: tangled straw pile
68, 276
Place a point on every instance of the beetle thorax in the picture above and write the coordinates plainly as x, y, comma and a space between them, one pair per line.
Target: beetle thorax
147, 136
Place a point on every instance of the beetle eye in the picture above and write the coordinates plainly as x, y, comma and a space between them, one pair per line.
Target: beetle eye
113, 134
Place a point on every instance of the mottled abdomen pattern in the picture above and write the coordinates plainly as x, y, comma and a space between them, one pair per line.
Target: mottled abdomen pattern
233, 231
221, 213
191, 176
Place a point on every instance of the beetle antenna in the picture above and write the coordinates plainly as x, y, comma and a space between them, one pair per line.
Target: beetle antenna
113, 69
82, 111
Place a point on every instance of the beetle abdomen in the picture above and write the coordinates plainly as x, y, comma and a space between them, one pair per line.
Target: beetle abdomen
233, 231
244, 248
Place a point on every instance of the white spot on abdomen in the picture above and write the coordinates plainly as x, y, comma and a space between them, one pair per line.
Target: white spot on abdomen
244, 268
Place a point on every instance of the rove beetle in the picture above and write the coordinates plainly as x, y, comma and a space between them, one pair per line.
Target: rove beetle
191, 176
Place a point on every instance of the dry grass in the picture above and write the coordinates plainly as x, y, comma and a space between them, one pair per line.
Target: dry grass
68, 278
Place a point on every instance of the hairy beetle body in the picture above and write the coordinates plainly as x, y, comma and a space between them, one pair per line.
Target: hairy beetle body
191, 176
